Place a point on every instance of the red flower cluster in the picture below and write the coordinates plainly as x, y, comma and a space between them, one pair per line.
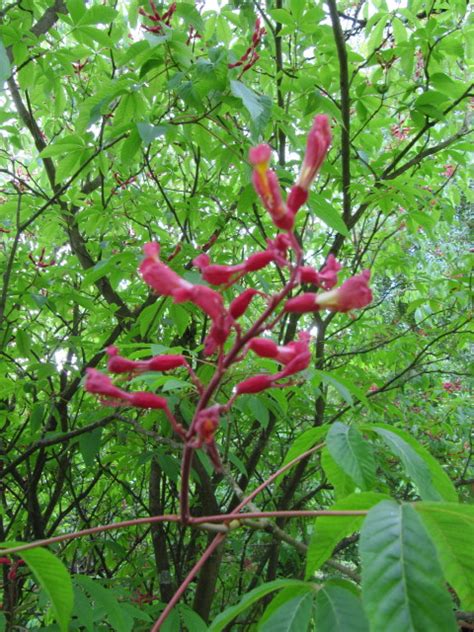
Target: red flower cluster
157, 19
250, 57
283, 251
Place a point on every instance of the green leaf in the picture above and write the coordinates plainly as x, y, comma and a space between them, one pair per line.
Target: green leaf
330, 530
352, 453
98, 15
37, 415
451, 527
292, 616
72, 143
258, 409
5, 70
89, 445
117, 617
83, 610
402, 582
22, 342
180, 316
282, 16
224, 618
76, 8
304, 442
3, 622
399, 31
376, 35
191, 619
432, 481
257, 106
342, 483
130, 147
54, 579
320, 207
341, 388
283, 597
149, 133
297, 8
339, 610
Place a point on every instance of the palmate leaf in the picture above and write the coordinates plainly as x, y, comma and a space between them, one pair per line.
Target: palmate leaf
354, 455
54, 579
402, 582
451, 527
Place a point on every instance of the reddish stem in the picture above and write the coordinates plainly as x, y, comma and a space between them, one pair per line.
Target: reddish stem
275, 475
191, 575
91, 531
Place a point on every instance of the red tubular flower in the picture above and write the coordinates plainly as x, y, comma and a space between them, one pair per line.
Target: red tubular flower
143, 399
308, 275
299, 363
254, 384
214, 273
258, 260
110, 395
119, 364
328, 274
267, 187
204, 297
239, 305
165, 362
295, 349
296, 198
100, 384
158, 275
165, 281
264, 347
353, 294
302, 304
317, 145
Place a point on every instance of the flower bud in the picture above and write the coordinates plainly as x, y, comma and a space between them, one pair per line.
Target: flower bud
302, 304
264, 347
317, 145
143, 399
239, 305
254, 384
258, 261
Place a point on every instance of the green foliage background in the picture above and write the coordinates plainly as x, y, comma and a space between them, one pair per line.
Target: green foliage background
148, 140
